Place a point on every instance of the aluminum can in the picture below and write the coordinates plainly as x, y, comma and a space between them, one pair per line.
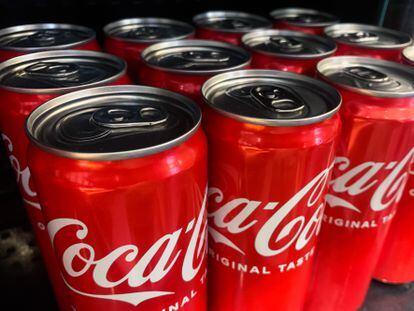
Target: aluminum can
370, 172
271, 138
25, 39
227, 26
121, 173
127, 38
396, 262
183, 66
368, 40
287, 50
27, 82
304, 20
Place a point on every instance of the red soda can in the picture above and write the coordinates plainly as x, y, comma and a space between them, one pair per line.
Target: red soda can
287, 50
27, 82
227, 26
24, 39
408, 56
127, 38
122, 178
396, 262
368, 40
183, 66
271, 138
304, 20
370, 172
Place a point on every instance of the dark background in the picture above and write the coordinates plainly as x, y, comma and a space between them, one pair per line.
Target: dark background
97, 13
23, 281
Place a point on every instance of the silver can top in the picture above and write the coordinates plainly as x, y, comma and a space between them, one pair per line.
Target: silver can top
43, 37
55, 72
289, 44
148, 29
408, 55
271, 97
230, 21
304, 17
200, 57
113, 123
369, 76
368, 36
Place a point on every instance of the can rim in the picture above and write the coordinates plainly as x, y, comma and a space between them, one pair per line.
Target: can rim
402, 35
43, 26
251, 35
228, 13
72, 97
63, 53
108, 28
367, 60
406, 57
193, 42
210, 83
333, 18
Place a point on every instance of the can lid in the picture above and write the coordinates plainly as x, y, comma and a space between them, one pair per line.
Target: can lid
304, 17
408, 54
202, 57
271, 97
56, 72
368, 36
148, 29
289, 44
113, 122
231, 21
42, 37
368, 76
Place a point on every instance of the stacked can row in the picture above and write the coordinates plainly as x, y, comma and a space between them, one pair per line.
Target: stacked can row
100, 156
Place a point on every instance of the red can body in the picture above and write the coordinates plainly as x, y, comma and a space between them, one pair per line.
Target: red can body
13, 113
301, 66
369, 175
217, 35
308, 29
185, 84
266, 197
129, 233
242, 208
386, 54
396, 262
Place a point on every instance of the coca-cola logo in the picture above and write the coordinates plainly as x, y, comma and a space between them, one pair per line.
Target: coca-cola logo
149, 267
237, 215
351, 181
22, 175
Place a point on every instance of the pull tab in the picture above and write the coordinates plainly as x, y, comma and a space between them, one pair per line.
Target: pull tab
45, 37
371, 77
204, 57
146, 32
53, 70
286, 43
361, 37
127, 117
277, 98
366, 74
